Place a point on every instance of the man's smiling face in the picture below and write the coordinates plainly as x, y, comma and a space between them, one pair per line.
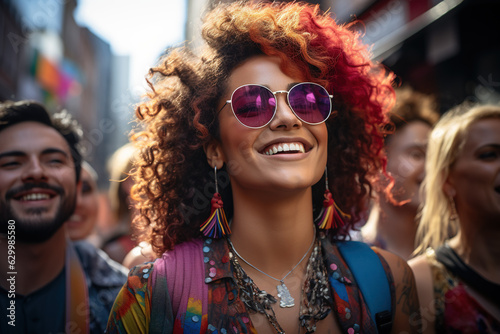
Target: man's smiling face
37, 180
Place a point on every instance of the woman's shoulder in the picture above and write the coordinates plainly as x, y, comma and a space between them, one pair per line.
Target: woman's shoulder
425, 267
184, 249
139, 276
407, 315
139, 254
402, 287
400, 270
144, 253
183, 258
391, 258
172, 264
421, 266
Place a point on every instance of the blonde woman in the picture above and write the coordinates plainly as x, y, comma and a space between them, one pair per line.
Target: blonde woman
458, 267
118, 241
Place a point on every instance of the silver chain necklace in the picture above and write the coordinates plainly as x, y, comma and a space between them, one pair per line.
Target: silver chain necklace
286, 299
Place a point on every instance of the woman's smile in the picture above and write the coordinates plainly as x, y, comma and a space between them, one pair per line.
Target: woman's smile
284, 154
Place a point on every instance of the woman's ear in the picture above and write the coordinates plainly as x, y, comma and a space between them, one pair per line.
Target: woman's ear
215, 156
449, 188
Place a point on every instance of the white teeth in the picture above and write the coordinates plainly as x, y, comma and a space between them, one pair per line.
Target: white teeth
35, 197
285, 147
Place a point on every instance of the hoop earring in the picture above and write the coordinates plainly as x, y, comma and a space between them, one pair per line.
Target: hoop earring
331, 216
216, 225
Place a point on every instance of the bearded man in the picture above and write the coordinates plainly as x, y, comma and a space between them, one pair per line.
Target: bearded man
47, 283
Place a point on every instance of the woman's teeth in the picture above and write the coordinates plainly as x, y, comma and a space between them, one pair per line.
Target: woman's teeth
288, 147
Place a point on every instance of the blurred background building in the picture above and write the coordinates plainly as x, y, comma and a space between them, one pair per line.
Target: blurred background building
46, 56
450, 48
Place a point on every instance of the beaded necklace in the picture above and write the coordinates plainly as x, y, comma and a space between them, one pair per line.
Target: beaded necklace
286, 300
315, 306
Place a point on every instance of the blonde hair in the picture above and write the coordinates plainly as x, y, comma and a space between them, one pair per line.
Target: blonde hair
119, 166
446, 142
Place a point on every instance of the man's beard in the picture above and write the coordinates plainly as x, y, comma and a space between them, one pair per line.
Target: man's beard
36, 229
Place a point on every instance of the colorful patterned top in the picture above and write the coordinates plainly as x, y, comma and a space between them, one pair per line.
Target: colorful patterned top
456, 310
202, 287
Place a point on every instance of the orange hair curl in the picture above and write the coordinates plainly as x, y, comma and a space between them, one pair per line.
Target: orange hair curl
180, 117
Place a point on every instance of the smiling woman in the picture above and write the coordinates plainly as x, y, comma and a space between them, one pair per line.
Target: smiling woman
251, 170
457, 272
241, 147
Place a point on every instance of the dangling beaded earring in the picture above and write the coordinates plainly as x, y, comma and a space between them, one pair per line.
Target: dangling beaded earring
216, 225
330, 216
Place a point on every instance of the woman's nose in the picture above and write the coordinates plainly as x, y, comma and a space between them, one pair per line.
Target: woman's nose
284, 117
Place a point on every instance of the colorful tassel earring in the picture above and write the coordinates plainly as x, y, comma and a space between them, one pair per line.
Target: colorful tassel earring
216, 225
330, 216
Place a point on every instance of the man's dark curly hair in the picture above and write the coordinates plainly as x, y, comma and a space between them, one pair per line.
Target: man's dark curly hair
15, 112
174, 182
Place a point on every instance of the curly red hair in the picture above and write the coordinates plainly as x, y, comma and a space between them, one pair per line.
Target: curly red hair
179, 116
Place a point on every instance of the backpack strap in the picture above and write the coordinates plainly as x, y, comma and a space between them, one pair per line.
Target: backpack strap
371, 278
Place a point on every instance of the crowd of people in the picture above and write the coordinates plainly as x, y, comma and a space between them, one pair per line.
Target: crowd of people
279, 182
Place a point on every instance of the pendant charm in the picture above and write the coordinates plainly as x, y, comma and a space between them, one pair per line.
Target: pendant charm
286, 300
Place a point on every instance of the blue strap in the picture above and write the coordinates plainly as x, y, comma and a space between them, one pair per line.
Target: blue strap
370, 275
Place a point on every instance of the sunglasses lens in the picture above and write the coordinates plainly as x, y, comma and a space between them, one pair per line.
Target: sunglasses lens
310, 102
253, 105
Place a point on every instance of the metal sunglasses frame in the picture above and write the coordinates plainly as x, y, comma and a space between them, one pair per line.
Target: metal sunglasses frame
287, 92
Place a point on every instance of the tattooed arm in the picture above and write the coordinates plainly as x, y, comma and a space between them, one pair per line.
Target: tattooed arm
407, 314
